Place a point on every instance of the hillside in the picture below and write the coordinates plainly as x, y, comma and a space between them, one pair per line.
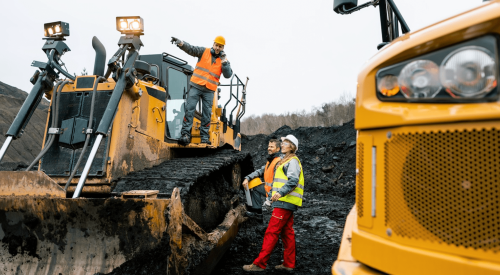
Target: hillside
25, 149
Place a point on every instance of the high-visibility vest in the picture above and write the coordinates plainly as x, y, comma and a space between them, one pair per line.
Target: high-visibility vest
206, 73
280, 179
269, 174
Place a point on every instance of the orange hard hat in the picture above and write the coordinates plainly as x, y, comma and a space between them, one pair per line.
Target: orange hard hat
255, 182
220, 40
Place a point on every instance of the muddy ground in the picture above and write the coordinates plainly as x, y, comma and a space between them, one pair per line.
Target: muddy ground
328, 158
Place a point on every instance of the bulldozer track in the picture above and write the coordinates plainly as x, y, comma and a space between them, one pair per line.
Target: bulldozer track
181, 172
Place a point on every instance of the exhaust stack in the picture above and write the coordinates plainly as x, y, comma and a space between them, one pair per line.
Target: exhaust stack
100, 56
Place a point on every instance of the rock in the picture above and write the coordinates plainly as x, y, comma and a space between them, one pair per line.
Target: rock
315, 160
316, 181
323, 222
321, 151
353, 143
339, 146
328, 168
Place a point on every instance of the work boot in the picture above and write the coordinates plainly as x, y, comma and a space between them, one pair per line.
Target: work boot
184, 140
254, 215
281, 267
252, 268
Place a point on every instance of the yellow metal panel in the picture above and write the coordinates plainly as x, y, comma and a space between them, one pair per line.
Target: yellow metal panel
364, 180
394, 258
372, 113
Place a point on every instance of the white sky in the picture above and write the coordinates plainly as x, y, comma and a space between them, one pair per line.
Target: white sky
297, 54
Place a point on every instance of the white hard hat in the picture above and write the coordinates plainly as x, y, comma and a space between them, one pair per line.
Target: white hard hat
293, 139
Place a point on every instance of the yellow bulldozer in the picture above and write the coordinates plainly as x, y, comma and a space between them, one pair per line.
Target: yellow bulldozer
114, 189
428, 148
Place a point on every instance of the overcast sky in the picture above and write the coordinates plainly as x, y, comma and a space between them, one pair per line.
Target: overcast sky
297, 54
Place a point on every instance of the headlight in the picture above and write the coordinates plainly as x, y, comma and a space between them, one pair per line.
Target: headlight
419, 79
130, 25
466, 72
56, 29
469, 72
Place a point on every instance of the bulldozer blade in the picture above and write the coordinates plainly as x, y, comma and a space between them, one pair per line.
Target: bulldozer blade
32, 183
45, 235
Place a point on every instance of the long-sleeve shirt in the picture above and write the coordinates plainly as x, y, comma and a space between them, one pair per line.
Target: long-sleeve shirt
197, 51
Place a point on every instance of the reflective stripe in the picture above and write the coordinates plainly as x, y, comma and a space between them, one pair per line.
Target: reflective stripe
278, 189
205, 70
300, 186
280, 180
204, 78
295, 194
269, 184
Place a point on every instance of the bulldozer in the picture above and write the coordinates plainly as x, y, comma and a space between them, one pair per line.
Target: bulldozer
428, 148
112, 191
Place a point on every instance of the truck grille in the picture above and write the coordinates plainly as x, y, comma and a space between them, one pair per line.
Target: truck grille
444, 187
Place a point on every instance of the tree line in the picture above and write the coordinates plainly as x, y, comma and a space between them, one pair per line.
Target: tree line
329, 114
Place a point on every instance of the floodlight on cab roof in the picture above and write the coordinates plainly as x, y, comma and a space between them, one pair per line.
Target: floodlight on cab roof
130, 25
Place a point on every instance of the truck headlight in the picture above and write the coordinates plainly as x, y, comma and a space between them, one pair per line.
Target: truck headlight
467, 72
419, 79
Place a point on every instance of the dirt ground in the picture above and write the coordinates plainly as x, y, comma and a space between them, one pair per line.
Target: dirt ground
328, 158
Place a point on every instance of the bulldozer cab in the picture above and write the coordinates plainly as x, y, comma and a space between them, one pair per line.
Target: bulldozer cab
174, 75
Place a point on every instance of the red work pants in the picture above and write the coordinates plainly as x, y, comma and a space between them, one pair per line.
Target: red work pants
281, 223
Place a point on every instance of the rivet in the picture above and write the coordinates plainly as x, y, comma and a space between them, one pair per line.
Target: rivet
389, 232
357, 171
389, 134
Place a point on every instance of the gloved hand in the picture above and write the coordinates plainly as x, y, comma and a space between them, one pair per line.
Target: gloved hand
223, 57
267, 205
177, 41
245, 184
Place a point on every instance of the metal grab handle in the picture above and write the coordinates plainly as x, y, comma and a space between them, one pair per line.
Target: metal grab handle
162, 120
130, 124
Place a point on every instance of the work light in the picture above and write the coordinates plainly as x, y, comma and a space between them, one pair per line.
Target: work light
56, 29
130, 25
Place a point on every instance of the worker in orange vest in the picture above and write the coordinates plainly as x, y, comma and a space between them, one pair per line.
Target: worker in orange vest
204, 81
267, 173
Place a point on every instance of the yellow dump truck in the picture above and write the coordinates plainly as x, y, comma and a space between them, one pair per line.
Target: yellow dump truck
428, 149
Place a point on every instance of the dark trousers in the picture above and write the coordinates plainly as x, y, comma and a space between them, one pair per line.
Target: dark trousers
207, 101
256, 194
280, 225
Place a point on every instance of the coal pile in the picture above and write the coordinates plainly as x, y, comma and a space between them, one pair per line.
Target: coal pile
328, 156
24, 150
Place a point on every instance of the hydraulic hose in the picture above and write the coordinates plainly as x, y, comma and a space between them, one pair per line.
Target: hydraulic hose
56, 98
87, 139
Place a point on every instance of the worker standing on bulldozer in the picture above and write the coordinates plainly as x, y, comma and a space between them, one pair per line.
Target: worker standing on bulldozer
255, 184
204, 81
287, 193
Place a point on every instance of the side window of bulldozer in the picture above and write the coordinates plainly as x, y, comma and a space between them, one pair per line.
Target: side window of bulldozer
177, 85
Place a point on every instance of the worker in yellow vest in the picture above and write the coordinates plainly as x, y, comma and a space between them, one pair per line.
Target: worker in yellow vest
287, 194
259, 188
204, 81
